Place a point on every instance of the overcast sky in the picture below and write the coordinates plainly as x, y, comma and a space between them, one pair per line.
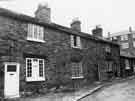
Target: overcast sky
113, 15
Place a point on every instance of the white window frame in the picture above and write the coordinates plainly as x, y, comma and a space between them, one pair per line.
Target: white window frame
114, 38
78, 41
81, 71
32, 77
133, 43
108, 49
35, 33
124, 37
110, 38
133, 35
127, 65
134, 66
109, 66
125, 45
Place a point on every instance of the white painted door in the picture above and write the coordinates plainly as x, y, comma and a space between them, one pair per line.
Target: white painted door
11, 86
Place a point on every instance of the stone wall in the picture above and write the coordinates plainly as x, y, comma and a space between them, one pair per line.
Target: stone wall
56, 51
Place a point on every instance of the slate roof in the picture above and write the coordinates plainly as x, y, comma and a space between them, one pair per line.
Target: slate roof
21, 17
121, 33
126, 54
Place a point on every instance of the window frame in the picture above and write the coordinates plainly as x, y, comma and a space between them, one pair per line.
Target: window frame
114, 38
109, 65
124, 47
35, 33
77, 41
124, 37
127, 64
108, 49
133, 35
80, 75
32, 77
133, 43
134, 66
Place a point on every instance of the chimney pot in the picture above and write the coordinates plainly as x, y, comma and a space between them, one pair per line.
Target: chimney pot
76, 24
109, 34
43, 13
130, 29
98, 32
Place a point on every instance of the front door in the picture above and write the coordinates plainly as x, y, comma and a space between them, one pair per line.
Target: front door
11, 86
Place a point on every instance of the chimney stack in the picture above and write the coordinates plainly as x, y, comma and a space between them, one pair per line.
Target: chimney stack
76, 24
130, 29
109, 34
98, 32
43, 13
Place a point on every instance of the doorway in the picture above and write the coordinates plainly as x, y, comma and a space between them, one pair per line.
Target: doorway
11, 80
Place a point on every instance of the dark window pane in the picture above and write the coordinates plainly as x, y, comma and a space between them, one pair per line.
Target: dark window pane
75, 41
40, 68
11, 68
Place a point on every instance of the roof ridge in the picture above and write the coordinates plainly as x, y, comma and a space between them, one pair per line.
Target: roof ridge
120, 32
26, 18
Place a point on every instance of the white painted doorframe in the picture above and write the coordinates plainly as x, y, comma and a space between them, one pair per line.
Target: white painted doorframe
11, 80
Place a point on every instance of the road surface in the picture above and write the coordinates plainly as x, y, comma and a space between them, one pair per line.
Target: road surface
119, 92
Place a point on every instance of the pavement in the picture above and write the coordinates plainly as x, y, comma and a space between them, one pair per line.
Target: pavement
75, 96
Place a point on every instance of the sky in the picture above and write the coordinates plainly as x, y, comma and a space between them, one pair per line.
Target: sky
112, 15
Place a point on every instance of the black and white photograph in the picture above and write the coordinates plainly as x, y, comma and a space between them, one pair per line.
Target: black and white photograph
67, 50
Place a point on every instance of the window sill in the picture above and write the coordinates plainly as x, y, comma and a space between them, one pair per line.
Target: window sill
123, 40
36, 40
127, 68
124, 47
76, 47
32, 79
80, 77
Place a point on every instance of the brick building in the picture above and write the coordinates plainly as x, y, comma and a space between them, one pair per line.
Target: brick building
48, 54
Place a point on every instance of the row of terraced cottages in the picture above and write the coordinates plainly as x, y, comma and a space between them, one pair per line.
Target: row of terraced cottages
35, 51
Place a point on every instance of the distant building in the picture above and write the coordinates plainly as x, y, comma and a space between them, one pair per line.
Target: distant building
126, 39
127, 50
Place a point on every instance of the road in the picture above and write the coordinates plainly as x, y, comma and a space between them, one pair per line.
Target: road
119, 92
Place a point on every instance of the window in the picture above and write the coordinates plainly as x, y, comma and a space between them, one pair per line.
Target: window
110, 38
11, 68
133, 35
76, 70
124, 45
34, 69
134, 65
35, 33
107, 49
41, 71
127, 66
124, 37
75, 41
109, 66
133, 43
114, 38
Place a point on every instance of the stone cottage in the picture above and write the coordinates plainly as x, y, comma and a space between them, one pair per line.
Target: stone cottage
36, 53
